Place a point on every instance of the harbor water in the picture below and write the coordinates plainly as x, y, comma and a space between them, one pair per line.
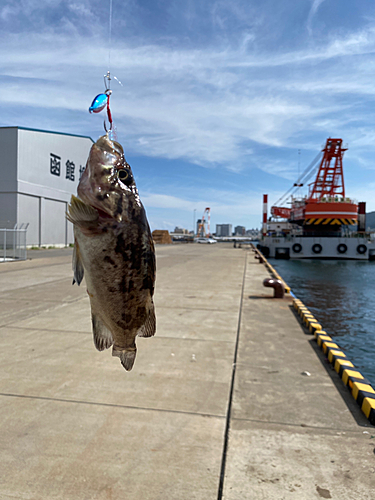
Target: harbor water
341, 295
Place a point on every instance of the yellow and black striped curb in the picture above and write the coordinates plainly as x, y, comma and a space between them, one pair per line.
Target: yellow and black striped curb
358, 385
273, 271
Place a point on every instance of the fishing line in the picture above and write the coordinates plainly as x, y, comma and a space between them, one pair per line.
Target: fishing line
110, 36
101, 101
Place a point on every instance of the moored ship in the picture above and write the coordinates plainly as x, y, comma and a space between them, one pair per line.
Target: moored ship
322, 224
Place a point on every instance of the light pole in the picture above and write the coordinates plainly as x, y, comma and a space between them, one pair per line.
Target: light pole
194, 221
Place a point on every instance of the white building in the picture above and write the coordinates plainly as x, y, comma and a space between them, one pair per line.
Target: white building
223, 229
239, 231
180, 230
39, 171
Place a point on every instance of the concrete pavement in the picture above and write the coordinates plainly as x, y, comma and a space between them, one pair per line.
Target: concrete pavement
75, 425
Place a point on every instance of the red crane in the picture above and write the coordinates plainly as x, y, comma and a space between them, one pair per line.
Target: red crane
330, 178
324, 193
202, 233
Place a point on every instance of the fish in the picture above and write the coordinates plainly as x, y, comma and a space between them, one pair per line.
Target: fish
114, 250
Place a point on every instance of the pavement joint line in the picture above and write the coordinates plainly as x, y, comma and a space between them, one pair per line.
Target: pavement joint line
44, 301
231, 391
193, 308
90, 333
37, 313
34, 267
111, 405
43, 283
191, 338
303, 426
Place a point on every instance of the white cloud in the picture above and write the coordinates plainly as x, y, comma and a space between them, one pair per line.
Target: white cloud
314, 7
210, 106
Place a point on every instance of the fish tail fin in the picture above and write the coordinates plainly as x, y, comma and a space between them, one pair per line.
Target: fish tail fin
102, 336
127, 356
148, 329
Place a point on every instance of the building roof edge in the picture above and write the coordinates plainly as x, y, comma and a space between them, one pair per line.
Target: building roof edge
49, 132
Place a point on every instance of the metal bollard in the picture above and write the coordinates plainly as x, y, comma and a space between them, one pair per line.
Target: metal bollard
276, 285
259, 256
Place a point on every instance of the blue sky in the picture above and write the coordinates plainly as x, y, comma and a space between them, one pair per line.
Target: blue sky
217, 97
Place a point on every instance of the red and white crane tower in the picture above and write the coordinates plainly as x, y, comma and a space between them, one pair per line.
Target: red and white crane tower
325, 207
202, 231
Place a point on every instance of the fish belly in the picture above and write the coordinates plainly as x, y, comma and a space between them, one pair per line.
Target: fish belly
118, 285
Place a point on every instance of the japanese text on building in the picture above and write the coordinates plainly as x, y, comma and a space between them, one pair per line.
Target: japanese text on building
55, 164
69, 170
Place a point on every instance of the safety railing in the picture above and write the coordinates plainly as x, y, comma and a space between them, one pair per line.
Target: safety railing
13, 243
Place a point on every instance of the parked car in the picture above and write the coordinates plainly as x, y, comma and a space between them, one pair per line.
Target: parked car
210, 241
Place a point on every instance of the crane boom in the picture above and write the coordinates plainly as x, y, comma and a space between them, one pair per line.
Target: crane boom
330, 178
202, 232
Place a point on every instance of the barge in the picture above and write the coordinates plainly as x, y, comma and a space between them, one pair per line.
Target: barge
324, 224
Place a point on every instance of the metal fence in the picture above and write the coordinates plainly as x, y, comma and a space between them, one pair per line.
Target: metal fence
13, 243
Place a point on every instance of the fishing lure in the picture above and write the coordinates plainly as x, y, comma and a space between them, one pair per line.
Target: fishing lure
99, 103
102, 100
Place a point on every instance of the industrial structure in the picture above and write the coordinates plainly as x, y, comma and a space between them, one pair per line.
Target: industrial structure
203, 230
39, 171
318, 225
325, 209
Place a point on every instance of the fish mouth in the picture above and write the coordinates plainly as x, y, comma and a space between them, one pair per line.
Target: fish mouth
99, 185
107, 145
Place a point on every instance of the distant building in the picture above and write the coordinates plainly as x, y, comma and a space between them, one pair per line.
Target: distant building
180, 230
253, 233
39, 171
239, 230
223, 229
198, 223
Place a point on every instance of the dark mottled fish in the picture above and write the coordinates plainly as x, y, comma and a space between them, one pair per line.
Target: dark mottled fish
114, 250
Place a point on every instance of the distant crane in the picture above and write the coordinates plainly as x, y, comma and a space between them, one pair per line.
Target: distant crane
329, 182
325, 208
202, 231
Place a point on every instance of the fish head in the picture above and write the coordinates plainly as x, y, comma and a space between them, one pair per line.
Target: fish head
107, 183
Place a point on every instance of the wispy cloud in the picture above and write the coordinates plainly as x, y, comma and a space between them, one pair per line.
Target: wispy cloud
313, 10
203, 106
202, 82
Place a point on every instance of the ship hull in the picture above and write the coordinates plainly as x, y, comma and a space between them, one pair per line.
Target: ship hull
305, 247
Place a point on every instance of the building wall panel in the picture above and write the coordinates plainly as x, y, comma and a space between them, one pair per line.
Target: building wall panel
8, 160
50, 164
28, 212
53, 223
8, 210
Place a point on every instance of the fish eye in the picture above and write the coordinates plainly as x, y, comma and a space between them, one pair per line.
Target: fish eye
125, 176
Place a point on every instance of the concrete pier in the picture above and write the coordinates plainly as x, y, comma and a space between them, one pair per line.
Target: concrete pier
218, 404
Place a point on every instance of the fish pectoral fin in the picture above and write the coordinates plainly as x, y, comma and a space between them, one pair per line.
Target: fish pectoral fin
149, 327
102, 336
78, 269
81, 214
127, 356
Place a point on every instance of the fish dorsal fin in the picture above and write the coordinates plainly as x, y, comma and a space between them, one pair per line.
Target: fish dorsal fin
79, 213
